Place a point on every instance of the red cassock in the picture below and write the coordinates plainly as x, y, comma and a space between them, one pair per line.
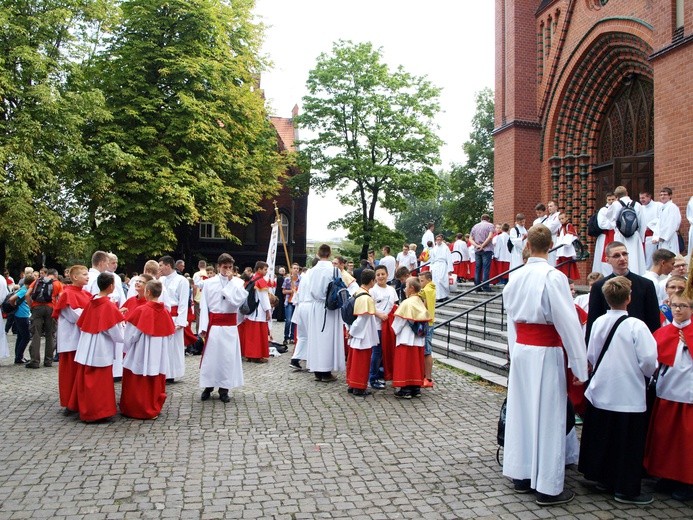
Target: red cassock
75, 298
668, 452
255, 334
569, 269
387, 342
498, 267
358, 367
143, 395
409, 366
93, 394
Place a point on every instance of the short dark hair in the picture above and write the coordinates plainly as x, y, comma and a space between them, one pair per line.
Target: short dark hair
386, 249
225, 258
168, 260
324, 251
540, 207
428, 275
260, 265
364, 262
667, 190
662, 255
485, 217
104, 280
381, 267
367, 276
154, 287
401, 271
98, 257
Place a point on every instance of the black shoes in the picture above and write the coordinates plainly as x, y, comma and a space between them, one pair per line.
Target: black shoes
32, 365
641, 500
403, 394
206, 394
295, 364
360, 392
522, 485
553, 500
224, 396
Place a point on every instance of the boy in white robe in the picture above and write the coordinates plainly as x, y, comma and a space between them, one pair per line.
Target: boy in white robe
221, 366
176, 297
441, 267
518, 236
665, 236
636, 255
541, 316
362, 336
647, 218
615, 423
385, 298
600, 264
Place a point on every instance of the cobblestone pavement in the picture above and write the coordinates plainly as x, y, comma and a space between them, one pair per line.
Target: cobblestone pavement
284, 447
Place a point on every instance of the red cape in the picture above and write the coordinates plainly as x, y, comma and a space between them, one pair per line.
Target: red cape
100, 315
582, 315
152, 319
71, 296
668, 341
132, 303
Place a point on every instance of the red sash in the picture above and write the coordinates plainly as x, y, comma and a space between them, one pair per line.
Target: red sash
538, 335
222, 319
609, 237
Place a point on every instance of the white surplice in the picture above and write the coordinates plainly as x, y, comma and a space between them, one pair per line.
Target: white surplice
145, 355
176, 294
668, 225
324, 328
221, 365
67, 333
647, 217
516, 234
299, 318
441, 266
606, 224
535, 436
554, 226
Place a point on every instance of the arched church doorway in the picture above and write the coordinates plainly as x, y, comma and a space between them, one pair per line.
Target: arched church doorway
625, 154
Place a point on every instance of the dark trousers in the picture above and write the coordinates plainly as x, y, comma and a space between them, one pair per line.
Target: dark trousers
483, 268
42, 323
22, 339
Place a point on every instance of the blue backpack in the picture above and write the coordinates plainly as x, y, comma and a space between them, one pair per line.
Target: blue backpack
348, 307
337, 295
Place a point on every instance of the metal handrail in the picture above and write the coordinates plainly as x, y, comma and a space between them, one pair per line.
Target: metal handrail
465, 313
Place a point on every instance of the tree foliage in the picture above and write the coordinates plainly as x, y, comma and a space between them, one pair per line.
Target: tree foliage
188, 138
374, 136
42, 115
472, 182
411, 222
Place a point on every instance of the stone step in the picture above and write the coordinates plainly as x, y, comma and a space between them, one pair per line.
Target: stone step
489, 362
474, 338
486, 375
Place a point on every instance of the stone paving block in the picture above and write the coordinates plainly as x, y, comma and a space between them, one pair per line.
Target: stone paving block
284, 447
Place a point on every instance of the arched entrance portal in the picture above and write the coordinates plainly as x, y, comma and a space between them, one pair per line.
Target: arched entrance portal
625, 153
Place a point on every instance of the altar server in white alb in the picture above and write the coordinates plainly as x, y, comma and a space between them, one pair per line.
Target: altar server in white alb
148, 341
221, 364
647, 221
176, 298
324, 328
636, 256
541, 317
300, 319
665, 235
441, 267
608, 226
613, 436
689, 216
518, 236
554, 224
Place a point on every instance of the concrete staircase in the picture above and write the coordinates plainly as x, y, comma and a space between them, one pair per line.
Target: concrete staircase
476, 342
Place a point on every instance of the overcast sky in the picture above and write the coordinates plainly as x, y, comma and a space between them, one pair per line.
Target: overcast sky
449, 41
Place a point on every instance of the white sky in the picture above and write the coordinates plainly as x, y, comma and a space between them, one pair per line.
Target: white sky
449, 41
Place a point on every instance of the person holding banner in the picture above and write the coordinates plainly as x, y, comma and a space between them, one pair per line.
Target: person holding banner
256, 324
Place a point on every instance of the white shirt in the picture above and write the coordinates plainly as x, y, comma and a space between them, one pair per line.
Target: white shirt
427, 237
676, 382
385, 298
389, 262
177, 294
619, 383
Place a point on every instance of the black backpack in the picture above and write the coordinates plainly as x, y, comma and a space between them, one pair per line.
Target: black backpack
347, 309
10, 308
510, 242
43, 291
593, 228
250, 305
627, 222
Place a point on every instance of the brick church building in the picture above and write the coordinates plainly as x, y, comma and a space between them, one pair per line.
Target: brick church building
591, 94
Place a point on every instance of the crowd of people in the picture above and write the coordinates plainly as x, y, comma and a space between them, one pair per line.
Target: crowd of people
617, 359
375, 322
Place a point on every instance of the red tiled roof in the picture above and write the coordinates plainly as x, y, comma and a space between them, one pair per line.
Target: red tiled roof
285, 129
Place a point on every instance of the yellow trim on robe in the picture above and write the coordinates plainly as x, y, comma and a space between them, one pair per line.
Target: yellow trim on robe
428, 294
347, 278
363, 305
413, 309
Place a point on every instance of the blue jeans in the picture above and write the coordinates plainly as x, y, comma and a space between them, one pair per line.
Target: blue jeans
483, 268
376, 361
428, 346
288, 326
22, 339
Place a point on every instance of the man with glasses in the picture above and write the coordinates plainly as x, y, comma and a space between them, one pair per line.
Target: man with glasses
643, 304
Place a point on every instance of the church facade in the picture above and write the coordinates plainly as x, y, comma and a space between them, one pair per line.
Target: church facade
592, 94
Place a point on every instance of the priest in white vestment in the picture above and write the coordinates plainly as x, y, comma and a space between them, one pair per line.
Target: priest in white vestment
648, 213
636, 255
666, 233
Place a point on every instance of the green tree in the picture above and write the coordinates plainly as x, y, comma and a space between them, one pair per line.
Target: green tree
412, 221
42, 116
472, 182
374, 137
189, 139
